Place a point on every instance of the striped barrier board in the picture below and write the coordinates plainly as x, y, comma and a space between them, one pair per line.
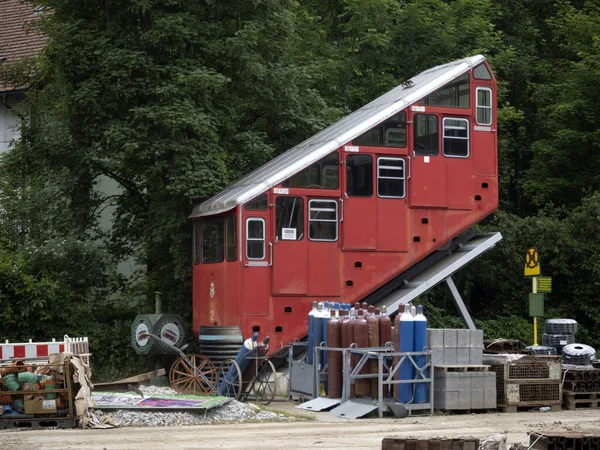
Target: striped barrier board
31, 350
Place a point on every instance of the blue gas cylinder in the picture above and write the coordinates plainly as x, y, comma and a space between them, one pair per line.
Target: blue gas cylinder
327, 307
231, 377
318, 329
407, 339
311, 333
420, 345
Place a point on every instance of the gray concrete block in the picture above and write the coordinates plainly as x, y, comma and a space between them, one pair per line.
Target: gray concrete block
450, 356
464, 399
439, 399
489, 399
477, 338
463, 338
477, 401
449, 383
463, 356
490, 381
475, 355
464, 381
449, 399
478, 381
450, 338
435, 337
437, 356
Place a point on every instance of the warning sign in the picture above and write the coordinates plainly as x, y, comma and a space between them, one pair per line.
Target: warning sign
532, 263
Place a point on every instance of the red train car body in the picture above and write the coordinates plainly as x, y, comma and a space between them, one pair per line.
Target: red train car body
343, 213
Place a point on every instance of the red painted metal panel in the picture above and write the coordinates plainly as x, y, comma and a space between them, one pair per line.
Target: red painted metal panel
427, 185
42, 350
323, 269
19, 351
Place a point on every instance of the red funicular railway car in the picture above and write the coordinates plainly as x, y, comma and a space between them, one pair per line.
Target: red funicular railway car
345, 213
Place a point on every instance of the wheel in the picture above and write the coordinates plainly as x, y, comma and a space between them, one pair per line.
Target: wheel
230, 379
193, 374
264, 384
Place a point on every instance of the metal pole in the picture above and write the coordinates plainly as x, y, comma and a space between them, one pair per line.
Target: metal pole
458, 301
380, 383
534, 290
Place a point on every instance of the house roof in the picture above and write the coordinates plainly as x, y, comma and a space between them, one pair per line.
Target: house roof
18, 38
306, 153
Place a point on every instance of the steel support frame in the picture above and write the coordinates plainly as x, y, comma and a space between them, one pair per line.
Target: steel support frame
460, 305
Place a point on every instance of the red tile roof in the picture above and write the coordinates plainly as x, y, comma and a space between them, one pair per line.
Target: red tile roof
18, 38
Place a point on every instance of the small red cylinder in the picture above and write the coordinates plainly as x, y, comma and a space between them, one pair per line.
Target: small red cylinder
361, 339
334, 359
373, 327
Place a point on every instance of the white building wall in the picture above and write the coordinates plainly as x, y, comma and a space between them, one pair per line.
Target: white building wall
8, 127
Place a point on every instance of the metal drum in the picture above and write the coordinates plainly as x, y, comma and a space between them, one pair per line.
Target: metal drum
220, 343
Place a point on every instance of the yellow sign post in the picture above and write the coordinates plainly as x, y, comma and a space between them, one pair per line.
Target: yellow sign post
533, 269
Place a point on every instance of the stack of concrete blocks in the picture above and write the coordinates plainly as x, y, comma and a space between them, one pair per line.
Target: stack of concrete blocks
460, 382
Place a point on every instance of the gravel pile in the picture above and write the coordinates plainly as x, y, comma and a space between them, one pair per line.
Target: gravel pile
232, 412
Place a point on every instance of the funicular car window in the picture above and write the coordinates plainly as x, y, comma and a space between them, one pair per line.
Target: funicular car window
260, 203
481, 72
322, 220
484, 106
456, 94
255, 238
212, 240
231, 238
426, 134
197, 242
289, 213
359, 175
456, 137
390, 177
323, 174
390, 133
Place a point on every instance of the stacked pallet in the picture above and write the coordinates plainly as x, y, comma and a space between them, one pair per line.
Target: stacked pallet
581, 388
391, 443
527, 381
563, 441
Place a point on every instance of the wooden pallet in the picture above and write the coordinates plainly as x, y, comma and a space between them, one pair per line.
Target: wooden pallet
457, 368
37, 423
523, 408
576, 400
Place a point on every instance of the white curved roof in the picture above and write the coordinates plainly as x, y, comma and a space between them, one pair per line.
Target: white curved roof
331, 138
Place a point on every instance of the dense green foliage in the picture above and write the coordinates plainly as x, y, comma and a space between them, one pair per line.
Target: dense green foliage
171, 100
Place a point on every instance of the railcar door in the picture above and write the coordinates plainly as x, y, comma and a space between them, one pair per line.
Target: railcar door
290, 266
358, 205
427, 168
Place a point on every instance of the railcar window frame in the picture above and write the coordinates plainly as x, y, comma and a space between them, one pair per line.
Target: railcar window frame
326, 170
481, 72
297, 211
484, 108
197, 245
220, 245
428, 151
395, 124
315, 220
353, 174
461, 138
391, 168
231, 248
260, 203
252, 239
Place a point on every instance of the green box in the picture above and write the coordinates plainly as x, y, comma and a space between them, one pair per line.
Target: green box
536, 305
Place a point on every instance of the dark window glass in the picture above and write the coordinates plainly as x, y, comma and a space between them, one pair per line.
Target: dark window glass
390, 177
484, 106
260, 203
456, 137
231, 238
455, 94
323, 220
197, 242
255, 239
290, 218
324, 174
359, 175
391, 133
426, 134
481, 72
212, 240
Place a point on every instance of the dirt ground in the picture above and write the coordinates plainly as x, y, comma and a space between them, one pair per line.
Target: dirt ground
325, 432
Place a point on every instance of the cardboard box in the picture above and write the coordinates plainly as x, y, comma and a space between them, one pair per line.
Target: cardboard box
40, 406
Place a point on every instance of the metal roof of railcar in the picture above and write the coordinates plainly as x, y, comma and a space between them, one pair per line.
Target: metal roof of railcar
333, 137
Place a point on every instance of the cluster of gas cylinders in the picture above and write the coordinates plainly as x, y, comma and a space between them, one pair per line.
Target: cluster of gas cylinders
335, 325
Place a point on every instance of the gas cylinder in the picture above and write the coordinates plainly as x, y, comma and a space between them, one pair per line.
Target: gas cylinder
248, 346
311, 333
419, 346
351, 340
385, 327
318, 330
334, 370
407, 339
361, 339
254, 364
413, 310
396, 338
327, 307
371, 310
373, 327
365, 307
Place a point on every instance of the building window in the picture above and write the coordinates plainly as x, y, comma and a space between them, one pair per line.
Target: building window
212, 240
390, 177
324, 174
255, 238
454, 95
230, 238
426, 135
197, 242
359, 175
323, 220
290, 218
484, 106
456, 137
260, 203
481, 72
390, 133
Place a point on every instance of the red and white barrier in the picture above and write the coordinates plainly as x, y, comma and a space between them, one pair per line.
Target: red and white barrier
31, 350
